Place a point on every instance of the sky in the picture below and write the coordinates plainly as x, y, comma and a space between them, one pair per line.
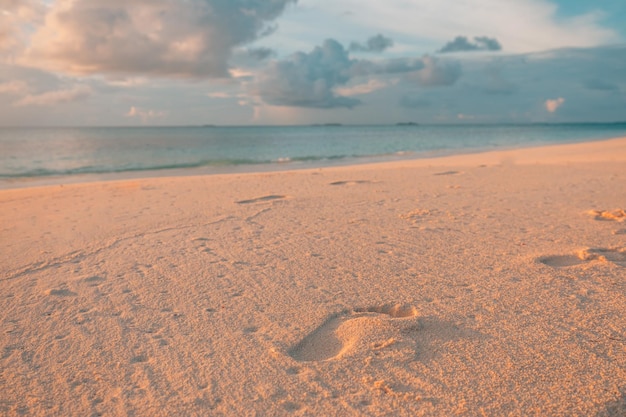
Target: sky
291, 62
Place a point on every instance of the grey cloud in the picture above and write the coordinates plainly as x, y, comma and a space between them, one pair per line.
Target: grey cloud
251, 57
311, 79
308, 79
496, 84
260, 53
462, 44
391, 66
428, 71
377, 43
437, 73
489, 44
168, 38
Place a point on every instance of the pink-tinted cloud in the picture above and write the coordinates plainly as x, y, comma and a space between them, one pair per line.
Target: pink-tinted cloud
365, 88
15, 17
13, 87
145, 114
552, 105
50, 98
169, 38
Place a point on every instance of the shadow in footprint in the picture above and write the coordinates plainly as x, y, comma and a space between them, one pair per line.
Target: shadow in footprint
448, 173
351, 182
561, 261
339, 332
94, 281
615, 408
262, 199
616, 256
322, 343
62, 293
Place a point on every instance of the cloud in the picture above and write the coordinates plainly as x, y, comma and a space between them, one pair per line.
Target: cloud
359, 89
13, 87
496, 84
165, 38
15, 17
308, 79
390, 66
522, 26
145, 114
552, 105
219, 95
249, 58
378, 43
462, 44
260, 54
50, 98
437, 73
318, 79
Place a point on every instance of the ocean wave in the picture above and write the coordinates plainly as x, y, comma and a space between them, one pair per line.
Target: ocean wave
42, 172
91, 169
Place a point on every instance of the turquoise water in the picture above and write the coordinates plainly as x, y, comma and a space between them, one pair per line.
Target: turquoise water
66, 152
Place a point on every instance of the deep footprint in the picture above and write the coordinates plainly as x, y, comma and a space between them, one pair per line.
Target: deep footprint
616, 256
326, 342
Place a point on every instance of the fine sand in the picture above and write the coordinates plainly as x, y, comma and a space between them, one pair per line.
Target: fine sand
489, 284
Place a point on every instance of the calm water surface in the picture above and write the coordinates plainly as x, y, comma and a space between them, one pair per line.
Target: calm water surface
37, 153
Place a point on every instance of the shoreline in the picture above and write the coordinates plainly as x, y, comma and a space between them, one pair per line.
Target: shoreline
482, 284
431, 157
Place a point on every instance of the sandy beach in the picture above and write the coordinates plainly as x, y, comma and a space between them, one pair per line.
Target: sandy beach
487, 284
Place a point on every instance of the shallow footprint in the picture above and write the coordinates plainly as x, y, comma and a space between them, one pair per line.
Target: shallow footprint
561, 261
350, 182
393, 310
340, 332
62, 292
447, 173
617, 215
616, 256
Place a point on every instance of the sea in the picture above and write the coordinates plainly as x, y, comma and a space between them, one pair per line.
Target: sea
34, 156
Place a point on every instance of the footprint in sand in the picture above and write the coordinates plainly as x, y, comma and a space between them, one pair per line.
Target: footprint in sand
448, 173
62, 292
351, 182
616, 256
617, 215
340, 333
94, 281
262, 199
417, 215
